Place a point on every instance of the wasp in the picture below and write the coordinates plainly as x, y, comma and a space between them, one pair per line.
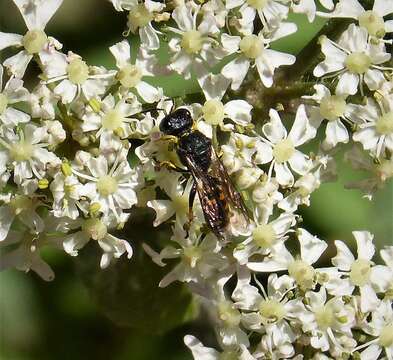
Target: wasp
218, 196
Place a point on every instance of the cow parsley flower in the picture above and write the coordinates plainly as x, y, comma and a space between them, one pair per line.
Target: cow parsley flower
193, 41
199, 256
110, 186
112, 118
353, 60
25, 151
372, 20
13, 92
75, 77
357, 272
375, 129
331, 320
96, 229
283, 145
132, 74
254, 50
35, 42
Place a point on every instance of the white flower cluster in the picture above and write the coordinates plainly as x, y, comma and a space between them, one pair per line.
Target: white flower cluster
82, 146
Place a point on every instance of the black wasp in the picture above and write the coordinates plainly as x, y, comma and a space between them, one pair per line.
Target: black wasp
217, 195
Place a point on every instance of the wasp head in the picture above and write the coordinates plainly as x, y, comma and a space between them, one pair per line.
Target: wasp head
177, 122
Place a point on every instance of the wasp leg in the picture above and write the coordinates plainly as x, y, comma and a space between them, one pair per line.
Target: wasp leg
170, 166
191, 198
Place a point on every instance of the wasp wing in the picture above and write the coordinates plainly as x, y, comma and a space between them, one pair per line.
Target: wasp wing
219, 172
211, 197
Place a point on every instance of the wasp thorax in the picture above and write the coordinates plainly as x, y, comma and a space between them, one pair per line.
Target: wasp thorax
192, 42
373, 23
3, 103
251, 46
332, 107
358, 62
129, 75
77, 71
95, 229
138, 17
213, 112
384, 125
34, 41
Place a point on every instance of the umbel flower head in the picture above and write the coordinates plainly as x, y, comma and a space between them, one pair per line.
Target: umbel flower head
82, 154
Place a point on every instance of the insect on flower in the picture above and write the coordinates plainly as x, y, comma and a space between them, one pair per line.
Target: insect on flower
221, 203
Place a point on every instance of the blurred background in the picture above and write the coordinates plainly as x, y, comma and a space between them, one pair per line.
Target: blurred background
120, 313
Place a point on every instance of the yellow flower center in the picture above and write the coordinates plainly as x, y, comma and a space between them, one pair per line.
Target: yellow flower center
332, 107
373, 23
325, 317
34, 41
106, 185
283, 150
213, 112
77, 71
192, 254
95, 229
139, 16
303, 274
358, 62
360, 272
257, 4
129, 75
251, 46
192, 42
21, 151
264, 235
384, 125
228, 314
272, 311
386, 336
3, 103
112, 120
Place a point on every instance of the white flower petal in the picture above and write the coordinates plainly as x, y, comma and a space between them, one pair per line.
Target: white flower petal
37, 14
239, 111
344, 258
17, 64
7, 40
365, 246
236, 71
311, 247
122, 53
348, 84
